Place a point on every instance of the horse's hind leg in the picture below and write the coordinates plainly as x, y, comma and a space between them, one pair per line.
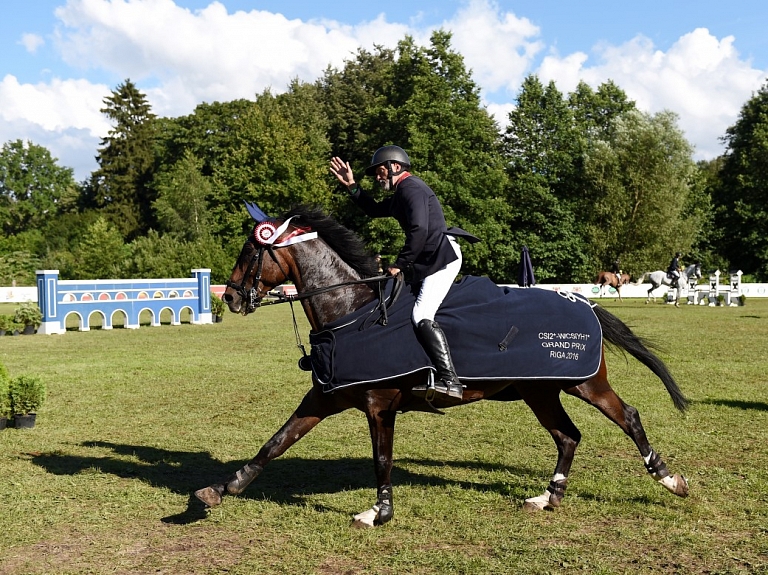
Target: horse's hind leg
545, 403
313, 409
598, 392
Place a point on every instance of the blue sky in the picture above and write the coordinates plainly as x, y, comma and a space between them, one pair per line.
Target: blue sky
60, 58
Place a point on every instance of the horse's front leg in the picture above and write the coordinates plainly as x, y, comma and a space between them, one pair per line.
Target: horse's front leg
315, 407
381, 423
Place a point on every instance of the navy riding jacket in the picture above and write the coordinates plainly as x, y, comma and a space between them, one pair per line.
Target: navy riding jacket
416, 208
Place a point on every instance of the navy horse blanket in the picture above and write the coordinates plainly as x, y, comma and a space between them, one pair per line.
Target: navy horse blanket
494, 333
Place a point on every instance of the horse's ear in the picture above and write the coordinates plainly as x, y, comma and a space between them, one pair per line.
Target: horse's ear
256, 212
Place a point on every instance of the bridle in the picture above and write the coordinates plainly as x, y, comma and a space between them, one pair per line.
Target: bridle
253, 298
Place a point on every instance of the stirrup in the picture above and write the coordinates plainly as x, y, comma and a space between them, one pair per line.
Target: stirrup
439, 390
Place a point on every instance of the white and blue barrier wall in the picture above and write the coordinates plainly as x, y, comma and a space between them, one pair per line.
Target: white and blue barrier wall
124, 300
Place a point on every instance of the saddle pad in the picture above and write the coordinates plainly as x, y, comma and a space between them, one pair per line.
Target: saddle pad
493, 332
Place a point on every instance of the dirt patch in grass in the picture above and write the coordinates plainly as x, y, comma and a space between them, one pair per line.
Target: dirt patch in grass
147, 548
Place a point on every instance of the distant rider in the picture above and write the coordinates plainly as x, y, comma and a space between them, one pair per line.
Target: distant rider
616, 270
674, 269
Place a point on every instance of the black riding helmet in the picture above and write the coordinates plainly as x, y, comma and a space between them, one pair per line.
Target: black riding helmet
387, 155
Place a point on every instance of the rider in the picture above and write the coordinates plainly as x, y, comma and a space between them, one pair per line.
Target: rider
616, 270
431, 255
674, 269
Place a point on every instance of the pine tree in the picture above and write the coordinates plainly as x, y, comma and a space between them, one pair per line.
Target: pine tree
121, 184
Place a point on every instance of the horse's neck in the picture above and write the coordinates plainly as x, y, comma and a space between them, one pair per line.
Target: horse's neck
317, 266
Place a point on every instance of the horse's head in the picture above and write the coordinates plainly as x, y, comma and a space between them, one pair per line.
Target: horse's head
263, 264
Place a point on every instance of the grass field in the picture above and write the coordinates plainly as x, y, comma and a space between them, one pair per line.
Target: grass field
136, 420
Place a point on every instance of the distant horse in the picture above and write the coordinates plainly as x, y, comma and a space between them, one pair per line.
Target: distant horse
612, 280
334, 276
660, 278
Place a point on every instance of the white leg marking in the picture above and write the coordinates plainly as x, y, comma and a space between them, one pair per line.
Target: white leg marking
540, 502
670, 482
366, 518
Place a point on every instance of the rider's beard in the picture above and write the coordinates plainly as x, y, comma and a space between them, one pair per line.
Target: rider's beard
384, 184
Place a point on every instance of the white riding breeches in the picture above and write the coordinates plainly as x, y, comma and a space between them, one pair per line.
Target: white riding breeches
434, 288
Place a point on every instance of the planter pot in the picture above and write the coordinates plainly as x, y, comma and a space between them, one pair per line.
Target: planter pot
3, 423
218, 318
24, 421
29, 330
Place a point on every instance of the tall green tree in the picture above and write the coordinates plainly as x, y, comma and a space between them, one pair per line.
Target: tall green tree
181, 206
277, 156
741, 201
543, 148
101, 254
207, 133
121, 186
33, 188
643, 209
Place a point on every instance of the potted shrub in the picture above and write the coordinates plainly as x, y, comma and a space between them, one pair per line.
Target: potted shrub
6, 323
30, 316
27, 393
217, 308
5, 398
720, 299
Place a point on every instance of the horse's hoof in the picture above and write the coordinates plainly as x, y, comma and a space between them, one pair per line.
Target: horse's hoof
209, 496
366, 519
531, 507
681, 486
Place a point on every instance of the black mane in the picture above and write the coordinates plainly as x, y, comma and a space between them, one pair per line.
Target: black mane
344, 242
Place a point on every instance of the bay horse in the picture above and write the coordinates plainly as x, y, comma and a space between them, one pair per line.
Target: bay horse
334, 276
660, 278
613, 280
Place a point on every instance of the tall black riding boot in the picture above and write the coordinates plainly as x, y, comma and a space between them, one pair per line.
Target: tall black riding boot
447, 384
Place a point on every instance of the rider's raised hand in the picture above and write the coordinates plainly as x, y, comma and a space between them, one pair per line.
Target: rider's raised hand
343, 172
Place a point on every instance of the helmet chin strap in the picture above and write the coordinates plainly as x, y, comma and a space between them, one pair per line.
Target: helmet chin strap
391, 175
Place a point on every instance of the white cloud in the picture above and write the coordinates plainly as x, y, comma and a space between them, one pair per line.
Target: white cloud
31, 42
208, 54
55, 106
498, 47
700, 78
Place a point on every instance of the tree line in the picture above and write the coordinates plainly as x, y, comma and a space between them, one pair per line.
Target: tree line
579, 178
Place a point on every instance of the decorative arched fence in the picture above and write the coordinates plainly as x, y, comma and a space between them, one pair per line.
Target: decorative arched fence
121, 299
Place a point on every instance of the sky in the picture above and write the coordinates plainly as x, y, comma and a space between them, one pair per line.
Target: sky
59, 59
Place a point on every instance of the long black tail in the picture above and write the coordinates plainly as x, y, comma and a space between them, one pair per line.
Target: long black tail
617, 333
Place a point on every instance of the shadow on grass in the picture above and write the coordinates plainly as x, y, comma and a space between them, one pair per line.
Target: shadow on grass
284, 481
735, 403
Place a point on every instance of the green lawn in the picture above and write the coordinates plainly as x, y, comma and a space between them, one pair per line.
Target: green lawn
136, 420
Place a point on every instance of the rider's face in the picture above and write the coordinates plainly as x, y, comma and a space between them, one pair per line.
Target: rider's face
382, 176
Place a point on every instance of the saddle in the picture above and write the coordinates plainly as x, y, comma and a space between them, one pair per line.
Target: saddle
494, 332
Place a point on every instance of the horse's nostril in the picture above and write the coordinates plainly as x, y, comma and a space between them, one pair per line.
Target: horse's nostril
227, 298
